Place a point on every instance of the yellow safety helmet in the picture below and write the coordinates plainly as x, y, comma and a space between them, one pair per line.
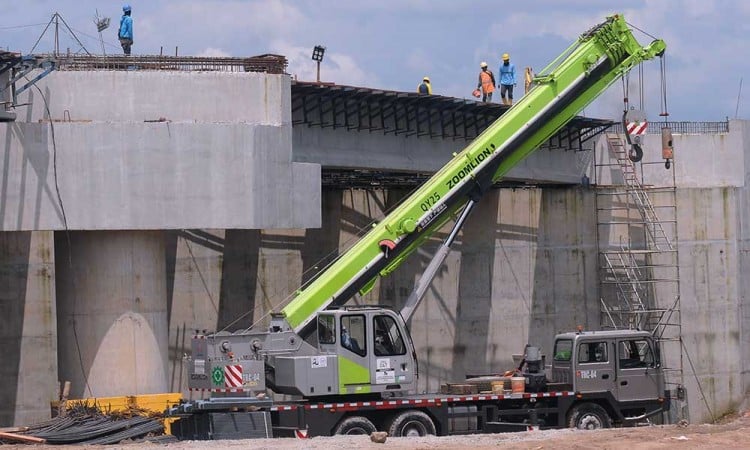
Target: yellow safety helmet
426, 78
506, 57
483, 64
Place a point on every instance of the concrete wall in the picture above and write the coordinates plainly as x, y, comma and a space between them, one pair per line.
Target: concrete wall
28, 326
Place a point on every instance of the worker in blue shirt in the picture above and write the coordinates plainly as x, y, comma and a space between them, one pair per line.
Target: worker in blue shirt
425, 87
125, 33
507, 80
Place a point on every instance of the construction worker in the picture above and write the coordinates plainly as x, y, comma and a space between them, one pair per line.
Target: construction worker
125, 32
507, 80
425, 87
528, 79
486, 82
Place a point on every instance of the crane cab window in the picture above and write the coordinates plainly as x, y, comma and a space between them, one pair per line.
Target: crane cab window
388, 340
634, 354
353, 334
563, 350
326, 329
592, 352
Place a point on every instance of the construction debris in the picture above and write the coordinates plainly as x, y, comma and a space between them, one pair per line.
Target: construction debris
378, 437
84, 424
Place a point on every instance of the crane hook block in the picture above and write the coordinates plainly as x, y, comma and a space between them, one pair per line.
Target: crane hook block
667, 150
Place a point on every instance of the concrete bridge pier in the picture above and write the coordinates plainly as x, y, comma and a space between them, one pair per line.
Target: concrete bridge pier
112, 312
28, 338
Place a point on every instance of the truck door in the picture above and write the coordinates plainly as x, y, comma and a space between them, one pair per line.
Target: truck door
391, 363
595, 367
638, 376
354, 373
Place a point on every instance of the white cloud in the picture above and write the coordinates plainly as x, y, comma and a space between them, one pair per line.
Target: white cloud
213, 52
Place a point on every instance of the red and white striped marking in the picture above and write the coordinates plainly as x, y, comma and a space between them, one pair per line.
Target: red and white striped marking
226, 391
233, 376
390, 404
637, 128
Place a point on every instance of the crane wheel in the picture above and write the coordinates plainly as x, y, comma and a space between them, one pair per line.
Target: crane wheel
355, 425
589, 416
411, 423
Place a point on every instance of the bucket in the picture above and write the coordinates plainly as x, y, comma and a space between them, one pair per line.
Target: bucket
498, 387
518, 385
501, 385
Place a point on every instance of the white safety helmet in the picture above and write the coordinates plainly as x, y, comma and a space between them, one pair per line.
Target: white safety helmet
483, 64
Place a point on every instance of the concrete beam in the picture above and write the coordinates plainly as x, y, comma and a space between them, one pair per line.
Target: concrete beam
114, 176
377, 151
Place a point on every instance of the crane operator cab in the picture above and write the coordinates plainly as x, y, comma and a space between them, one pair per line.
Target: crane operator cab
373, 348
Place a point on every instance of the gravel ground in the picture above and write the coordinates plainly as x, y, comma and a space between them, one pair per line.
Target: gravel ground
730, 434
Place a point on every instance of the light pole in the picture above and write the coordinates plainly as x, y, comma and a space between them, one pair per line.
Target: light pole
317, 56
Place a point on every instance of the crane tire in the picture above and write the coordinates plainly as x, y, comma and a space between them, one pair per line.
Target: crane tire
411, 423
589, 416
355, 425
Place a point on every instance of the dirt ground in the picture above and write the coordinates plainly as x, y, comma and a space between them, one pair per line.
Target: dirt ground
731, 433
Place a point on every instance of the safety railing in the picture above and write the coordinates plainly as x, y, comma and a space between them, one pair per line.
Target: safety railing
681, 127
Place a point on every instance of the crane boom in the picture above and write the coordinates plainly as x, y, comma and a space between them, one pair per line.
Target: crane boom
564, 88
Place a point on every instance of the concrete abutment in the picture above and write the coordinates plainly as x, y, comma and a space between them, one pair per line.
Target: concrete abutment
112, 312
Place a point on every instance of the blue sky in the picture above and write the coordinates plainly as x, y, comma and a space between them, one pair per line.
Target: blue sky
392, 44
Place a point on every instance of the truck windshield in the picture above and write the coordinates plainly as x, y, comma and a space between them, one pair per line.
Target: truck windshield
635, 353
563, 350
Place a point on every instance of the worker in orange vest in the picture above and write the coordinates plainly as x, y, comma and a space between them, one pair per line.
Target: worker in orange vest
486, 82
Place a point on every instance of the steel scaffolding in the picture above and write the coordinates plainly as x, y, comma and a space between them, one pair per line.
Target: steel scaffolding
638, 256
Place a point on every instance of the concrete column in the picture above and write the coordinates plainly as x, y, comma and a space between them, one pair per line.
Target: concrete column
28, 327
112, 312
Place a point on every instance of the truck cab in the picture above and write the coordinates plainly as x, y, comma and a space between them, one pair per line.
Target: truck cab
625, 363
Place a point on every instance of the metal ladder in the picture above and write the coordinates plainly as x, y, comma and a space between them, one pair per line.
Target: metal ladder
626, 276
638, 194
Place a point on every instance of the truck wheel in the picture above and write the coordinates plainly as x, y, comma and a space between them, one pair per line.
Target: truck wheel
355, 425
411, 424
589, 416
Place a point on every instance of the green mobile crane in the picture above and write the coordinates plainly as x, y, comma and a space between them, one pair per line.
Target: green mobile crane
362, 354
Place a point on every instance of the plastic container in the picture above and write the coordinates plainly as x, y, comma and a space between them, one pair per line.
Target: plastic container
518, 385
